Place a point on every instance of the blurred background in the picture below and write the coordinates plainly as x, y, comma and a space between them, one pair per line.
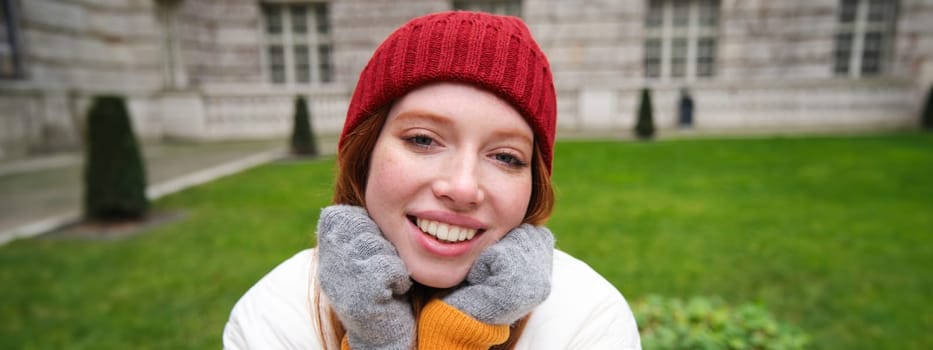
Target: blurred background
787, 173
215, 70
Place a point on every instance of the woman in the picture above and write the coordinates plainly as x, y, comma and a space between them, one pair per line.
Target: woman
434, 239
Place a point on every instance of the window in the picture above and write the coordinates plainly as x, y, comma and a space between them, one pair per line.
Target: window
10, 59
173, 68
680, 39
501, 7
298, 43
864, 36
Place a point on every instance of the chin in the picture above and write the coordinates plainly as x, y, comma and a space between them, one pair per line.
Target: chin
440, 281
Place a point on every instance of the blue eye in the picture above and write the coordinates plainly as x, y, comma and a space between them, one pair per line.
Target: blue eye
420, 140
509, 159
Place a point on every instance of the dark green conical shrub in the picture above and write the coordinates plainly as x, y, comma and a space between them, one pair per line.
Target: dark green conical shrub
927, 118
644, 128
302, 140
114, 175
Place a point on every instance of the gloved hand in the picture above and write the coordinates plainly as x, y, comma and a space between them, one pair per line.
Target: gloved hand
365, 280
509, 278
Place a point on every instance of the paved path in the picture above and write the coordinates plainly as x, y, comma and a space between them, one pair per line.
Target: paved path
43, 193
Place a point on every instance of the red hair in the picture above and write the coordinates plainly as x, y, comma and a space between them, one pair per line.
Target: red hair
355, 152
353, 161
495, 53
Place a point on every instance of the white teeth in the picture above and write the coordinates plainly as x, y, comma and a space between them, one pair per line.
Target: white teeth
442, 230
445, 232
464, 233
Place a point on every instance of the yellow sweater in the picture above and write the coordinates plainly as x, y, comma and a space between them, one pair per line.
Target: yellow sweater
442, 326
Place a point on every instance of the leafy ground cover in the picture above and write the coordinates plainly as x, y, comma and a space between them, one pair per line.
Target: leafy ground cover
829, 233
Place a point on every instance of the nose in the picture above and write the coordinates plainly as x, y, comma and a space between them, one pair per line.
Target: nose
458, 184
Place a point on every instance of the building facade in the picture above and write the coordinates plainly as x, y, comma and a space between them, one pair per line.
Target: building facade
230, 69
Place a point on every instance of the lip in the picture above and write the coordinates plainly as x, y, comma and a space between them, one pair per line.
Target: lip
446, 249
450, 218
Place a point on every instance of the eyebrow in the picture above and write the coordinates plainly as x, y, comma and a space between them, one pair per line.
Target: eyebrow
420, 114
515, 134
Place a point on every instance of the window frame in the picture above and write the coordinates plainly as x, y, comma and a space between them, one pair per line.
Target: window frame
315, 38
686, 23
853, 27
12, 43
499, 7
174, 74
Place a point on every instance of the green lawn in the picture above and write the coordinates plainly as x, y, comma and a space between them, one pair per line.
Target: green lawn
831, 233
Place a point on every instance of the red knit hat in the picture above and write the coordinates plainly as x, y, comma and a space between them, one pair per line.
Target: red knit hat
493, 52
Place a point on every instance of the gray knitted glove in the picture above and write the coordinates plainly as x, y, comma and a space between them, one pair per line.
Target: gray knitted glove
509, 279
365, 280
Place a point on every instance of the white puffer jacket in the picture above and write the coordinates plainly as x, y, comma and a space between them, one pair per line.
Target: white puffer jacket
584, 311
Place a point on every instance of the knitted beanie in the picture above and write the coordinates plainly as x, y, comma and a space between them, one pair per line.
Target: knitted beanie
496, 53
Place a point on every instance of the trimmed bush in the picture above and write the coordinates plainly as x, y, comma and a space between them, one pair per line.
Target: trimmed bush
644, 128
302, 140
708, 323
114, 175
927, 118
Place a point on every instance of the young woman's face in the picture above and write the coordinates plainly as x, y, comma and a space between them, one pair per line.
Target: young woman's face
450, 175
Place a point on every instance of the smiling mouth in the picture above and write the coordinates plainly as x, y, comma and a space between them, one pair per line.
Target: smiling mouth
445, 232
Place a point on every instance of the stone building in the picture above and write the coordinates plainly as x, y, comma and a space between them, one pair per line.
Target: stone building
230, 69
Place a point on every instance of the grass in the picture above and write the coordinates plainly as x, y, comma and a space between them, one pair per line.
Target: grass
830, 233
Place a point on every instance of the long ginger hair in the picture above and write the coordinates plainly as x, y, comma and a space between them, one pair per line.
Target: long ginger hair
353, 161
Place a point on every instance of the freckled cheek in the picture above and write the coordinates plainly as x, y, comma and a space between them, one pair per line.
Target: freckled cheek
512, 196
387, 193
391, 174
